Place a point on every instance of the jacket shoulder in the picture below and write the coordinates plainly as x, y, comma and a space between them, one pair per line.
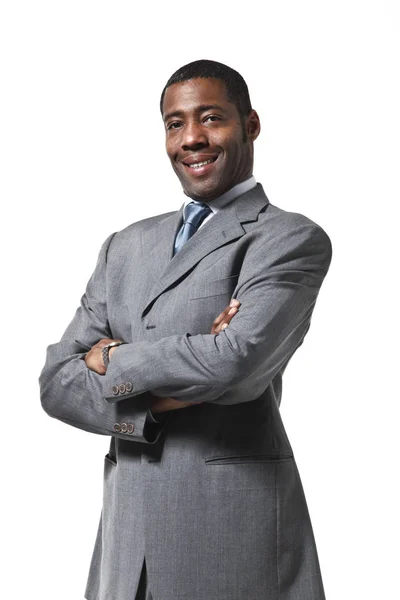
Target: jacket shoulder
143, 225
279, 233
285, 217
132, 233
284, 222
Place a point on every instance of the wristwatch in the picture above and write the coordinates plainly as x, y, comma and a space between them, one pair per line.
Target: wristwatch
106, 351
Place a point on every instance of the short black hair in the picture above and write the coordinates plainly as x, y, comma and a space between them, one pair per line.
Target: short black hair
236, 86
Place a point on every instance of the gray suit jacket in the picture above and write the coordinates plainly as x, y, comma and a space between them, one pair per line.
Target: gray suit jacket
210, 496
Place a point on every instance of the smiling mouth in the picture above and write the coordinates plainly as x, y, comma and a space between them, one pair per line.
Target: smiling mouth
200, 164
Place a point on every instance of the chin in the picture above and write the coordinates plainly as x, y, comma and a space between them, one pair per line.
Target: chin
203, 192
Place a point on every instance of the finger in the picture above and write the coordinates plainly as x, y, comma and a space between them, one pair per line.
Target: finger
221, 317
232, 304
225, 320
228, 317
221, 325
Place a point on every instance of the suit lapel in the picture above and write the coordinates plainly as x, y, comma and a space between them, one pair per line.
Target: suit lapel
158, 243
221, 229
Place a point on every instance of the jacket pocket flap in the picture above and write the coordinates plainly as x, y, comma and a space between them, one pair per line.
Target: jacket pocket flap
249, 458
213, 288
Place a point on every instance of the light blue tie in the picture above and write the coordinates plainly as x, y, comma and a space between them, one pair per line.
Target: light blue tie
193, 215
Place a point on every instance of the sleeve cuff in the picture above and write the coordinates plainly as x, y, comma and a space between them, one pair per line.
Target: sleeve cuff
135, 421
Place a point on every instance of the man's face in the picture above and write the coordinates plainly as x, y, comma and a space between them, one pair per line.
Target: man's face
205, 139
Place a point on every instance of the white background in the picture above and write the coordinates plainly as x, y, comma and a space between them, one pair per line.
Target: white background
82, 155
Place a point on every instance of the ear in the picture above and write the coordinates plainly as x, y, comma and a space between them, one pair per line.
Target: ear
253, 125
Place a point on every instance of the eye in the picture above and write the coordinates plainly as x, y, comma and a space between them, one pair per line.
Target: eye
212, 118
173, 125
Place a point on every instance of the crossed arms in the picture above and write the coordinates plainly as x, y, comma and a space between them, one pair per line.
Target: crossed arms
94, 360
277, 289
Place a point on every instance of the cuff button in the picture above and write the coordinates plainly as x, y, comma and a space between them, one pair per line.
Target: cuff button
115, 390
130, 428
117, 427
128, 386
124, 427
122, 388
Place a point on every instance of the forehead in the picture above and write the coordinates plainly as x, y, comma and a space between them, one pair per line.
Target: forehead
189, 95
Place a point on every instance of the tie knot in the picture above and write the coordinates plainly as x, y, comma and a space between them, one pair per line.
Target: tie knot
195, 213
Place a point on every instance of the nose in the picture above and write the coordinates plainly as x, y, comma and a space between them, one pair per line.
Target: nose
194, 136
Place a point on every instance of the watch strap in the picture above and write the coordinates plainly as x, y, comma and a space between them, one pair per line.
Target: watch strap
106, 351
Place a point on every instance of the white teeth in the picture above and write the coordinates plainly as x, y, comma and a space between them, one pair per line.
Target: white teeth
201, 164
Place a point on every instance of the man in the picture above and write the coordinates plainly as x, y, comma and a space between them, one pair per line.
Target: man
202, 497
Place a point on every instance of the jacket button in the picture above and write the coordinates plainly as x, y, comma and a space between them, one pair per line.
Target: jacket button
122, 388
124, 427
115, 390
117, 427
130, 427
128, 386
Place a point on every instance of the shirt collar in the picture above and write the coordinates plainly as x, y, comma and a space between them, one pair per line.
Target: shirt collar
236, 191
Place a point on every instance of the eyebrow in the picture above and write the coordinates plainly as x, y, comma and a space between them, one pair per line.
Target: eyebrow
199, 109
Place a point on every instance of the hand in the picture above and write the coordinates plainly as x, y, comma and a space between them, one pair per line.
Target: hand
94, 358
221, 322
